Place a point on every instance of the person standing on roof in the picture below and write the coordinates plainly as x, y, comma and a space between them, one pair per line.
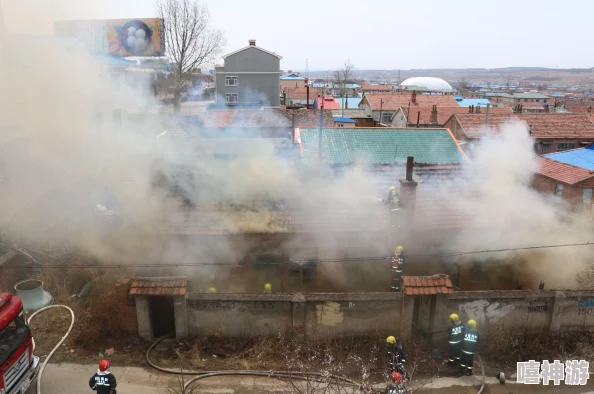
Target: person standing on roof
469, 346
456, 335
393, 197
103, 382
397, 267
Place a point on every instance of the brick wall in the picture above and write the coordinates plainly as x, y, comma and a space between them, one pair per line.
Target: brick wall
126, 307
572, 194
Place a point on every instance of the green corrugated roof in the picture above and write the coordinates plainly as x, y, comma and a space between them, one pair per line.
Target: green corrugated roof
382, 146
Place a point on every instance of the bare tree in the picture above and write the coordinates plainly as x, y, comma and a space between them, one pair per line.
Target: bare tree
190, 40
463, 85
343, 76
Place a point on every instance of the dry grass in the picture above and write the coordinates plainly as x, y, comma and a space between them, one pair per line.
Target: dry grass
510, 346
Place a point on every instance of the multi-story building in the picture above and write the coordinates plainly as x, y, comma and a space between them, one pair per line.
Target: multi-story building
249, 77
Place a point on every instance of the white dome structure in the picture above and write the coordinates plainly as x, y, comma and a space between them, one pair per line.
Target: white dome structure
431, 83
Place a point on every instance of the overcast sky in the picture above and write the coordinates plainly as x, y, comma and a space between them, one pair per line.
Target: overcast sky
374, 34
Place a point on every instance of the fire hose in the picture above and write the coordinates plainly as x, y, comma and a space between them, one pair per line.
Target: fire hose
55, 347
291, 375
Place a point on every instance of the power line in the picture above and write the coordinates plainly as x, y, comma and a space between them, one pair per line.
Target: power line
302, 261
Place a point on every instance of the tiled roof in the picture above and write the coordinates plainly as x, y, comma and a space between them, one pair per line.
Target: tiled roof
381, 145
393, 101
444, 113
529, 96
329, 103
580, 108
242, 118
544, 126
562, 172
301, 93
158, 286
368, 87
427, 285
353, 113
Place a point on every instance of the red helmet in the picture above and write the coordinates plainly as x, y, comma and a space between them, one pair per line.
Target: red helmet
396, 377
103, 365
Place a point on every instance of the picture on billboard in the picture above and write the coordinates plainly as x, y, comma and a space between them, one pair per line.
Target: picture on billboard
117, 37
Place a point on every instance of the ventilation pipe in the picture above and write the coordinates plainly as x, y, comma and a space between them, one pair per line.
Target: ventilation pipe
31, 292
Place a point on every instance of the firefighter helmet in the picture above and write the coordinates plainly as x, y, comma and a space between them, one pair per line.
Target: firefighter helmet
391, 339
396, 377
212, 290
399, 249
471, 323
103, 365
267, 287
454, 317
392, 188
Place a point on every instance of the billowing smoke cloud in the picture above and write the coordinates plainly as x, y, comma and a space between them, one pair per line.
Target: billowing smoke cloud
504, 211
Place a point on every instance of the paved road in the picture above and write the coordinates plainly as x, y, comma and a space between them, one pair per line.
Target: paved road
74, 378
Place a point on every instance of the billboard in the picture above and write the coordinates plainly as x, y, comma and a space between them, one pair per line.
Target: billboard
117, 37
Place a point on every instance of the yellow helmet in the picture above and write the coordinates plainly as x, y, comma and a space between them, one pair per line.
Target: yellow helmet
212, 290
471, 323
399, 249
391, 339
454, 317
267, 287
392, 188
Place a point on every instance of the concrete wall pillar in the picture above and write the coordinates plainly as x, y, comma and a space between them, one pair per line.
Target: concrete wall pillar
181, 317
143, 313
299, 323
406, 317
557, 313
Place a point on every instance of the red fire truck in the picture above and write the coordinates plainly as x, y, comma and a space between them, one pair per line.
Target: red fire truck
18, 366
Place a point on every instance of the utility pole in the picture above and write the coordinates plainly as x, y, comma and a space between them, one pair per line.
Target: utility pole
381, 108
342, 102
321, 127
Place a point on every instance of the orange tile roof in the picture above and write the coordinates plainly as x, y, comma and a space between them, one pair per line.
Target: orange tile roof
580, 108
427, 285
565, 173
444, 113
162, 287
544, 126
393, 101
368, 87
242, 118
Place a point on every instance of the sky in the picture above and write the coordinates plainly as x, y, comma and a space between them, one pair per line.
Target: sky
373, 34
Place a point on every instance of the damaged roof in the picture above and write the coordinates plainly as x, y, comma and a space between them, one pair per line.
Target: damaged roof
159, 286
427, 285
381, 145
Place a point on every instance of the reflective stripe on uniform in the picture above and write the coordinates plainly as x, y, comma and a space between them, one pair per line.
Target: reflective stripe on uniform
467, 352
455, 342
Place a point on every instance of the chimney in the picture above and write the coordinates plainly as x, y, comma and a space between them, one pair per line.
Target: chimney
408, 191
433, 119
252, 43
418, 118
470, 109
478, 109
414, 97
546, 108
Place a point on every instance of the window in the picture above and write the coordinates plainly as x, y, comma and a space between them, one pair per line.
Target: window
303, 275
559, 190
386, 117
565, 146
340, 125
545, 148
231, 98
587, 196
230, 81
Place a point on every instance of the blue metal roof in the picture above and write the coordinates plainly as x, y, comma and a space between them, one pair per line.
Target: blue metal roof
343, 120
293, 77
467, 102
583, 158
